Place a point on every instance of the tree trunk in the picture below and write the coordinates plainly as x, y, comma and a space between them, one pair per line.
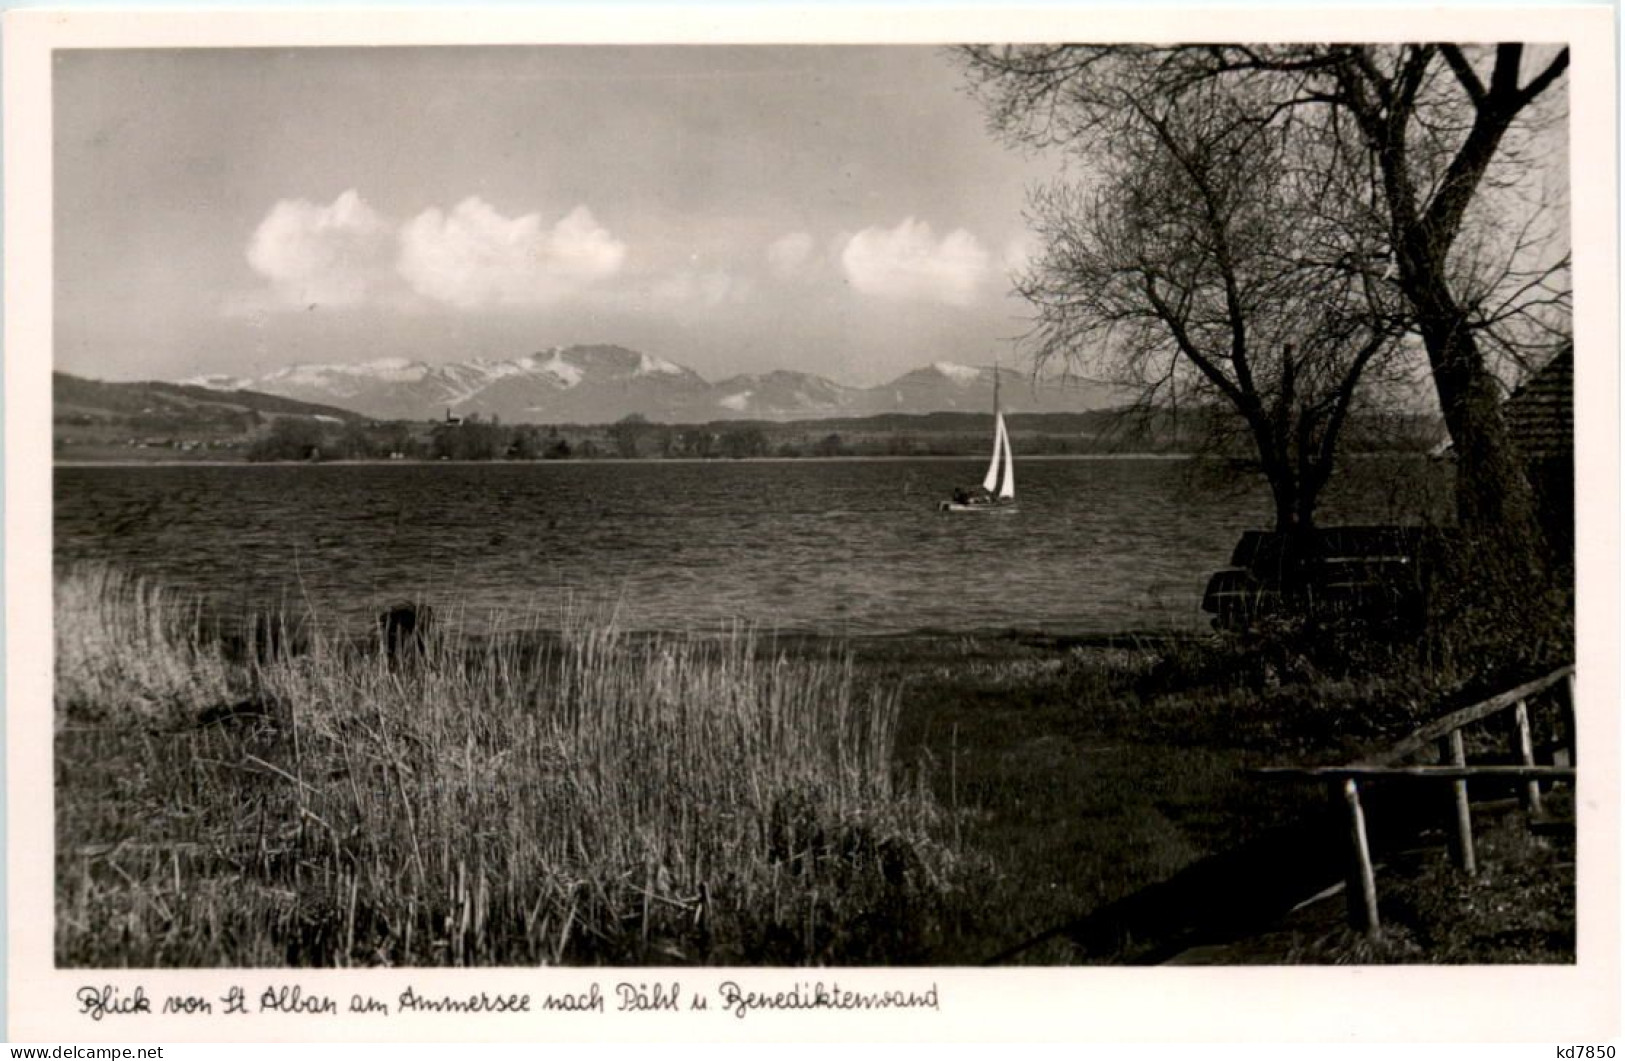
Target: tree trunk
1308, 501
1493, 496
1284, 492
1495, 505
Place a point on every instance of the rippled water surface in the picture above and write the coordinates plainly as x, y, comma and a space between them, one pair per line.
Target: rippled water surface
838, 546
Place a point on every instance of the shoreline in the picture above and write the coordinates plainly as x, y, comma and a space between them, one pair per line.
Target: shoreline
938, 458
229, 624
987, 641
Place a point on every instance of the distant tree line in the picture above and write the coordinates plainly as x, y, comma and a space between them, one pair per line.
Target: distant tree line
301, 439
636, 438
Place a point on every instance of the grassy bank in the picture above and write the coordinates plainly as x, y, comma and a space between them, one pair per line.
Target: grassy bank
594, 799
598, 797
1089, 773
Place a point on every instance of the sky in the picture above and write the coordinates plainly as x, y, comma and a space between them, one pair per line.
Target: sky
838, 210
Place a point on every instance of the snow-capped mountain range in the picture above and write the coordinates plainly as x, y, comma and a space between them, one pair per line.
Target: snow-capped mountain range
602, 384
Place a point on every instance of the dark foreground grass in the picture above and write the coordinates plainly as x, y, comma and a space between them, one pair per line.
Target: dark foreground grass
1086, 775
1518, 908
1076, 788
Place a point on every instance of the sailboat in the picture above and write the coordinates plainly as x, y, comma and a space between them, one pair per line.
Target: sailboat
998, 491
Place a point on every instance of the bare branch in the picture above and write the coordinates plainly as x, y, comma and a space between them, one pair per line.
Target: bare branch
1464, 72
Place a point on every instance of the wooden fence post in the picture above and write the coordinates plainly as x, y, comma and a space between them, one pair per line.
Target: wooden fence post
1453, 751
1526, 755
1362, 886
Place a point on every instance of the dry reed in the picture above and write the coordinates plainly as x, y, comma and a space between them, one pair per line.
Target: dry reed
522, 798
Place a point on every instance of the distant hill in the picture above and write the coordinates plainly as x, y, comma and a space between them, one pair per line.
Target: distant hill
1094, 421
73, 395
603, 384
96, 420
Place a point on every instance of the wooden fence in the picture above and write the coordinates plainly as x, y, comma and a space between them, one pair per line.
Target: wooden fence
1452, 769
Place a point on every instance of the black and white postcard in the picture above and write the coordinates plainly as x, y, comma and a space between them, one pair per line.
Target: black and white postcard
668, 522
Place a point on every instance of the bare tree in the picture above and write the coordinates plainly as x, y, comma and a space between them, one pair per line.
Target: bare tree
1216, 257
1436, 127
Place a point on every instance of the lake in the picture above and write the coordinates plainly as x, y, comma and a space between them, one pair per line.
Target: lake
850, 547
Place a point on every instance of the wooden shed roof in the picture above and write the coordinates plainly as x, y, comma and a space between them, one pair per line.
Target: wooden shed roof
1540, 414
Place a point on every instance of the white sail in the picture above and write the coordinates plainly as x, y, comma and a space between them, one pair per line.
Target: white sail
990, 481
1007, 489
999, 484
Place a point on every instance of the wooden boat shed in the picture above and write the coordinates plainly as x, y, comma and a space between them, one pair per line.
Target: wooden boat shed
1540, 419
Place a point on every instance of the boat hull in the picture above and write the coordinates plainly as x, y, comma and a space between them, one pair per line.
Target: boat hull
986, 506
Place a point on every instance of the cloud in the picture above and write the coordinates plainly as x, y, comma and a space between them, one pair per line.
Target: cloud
909, 262
474, 256
787, 254
329, 255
